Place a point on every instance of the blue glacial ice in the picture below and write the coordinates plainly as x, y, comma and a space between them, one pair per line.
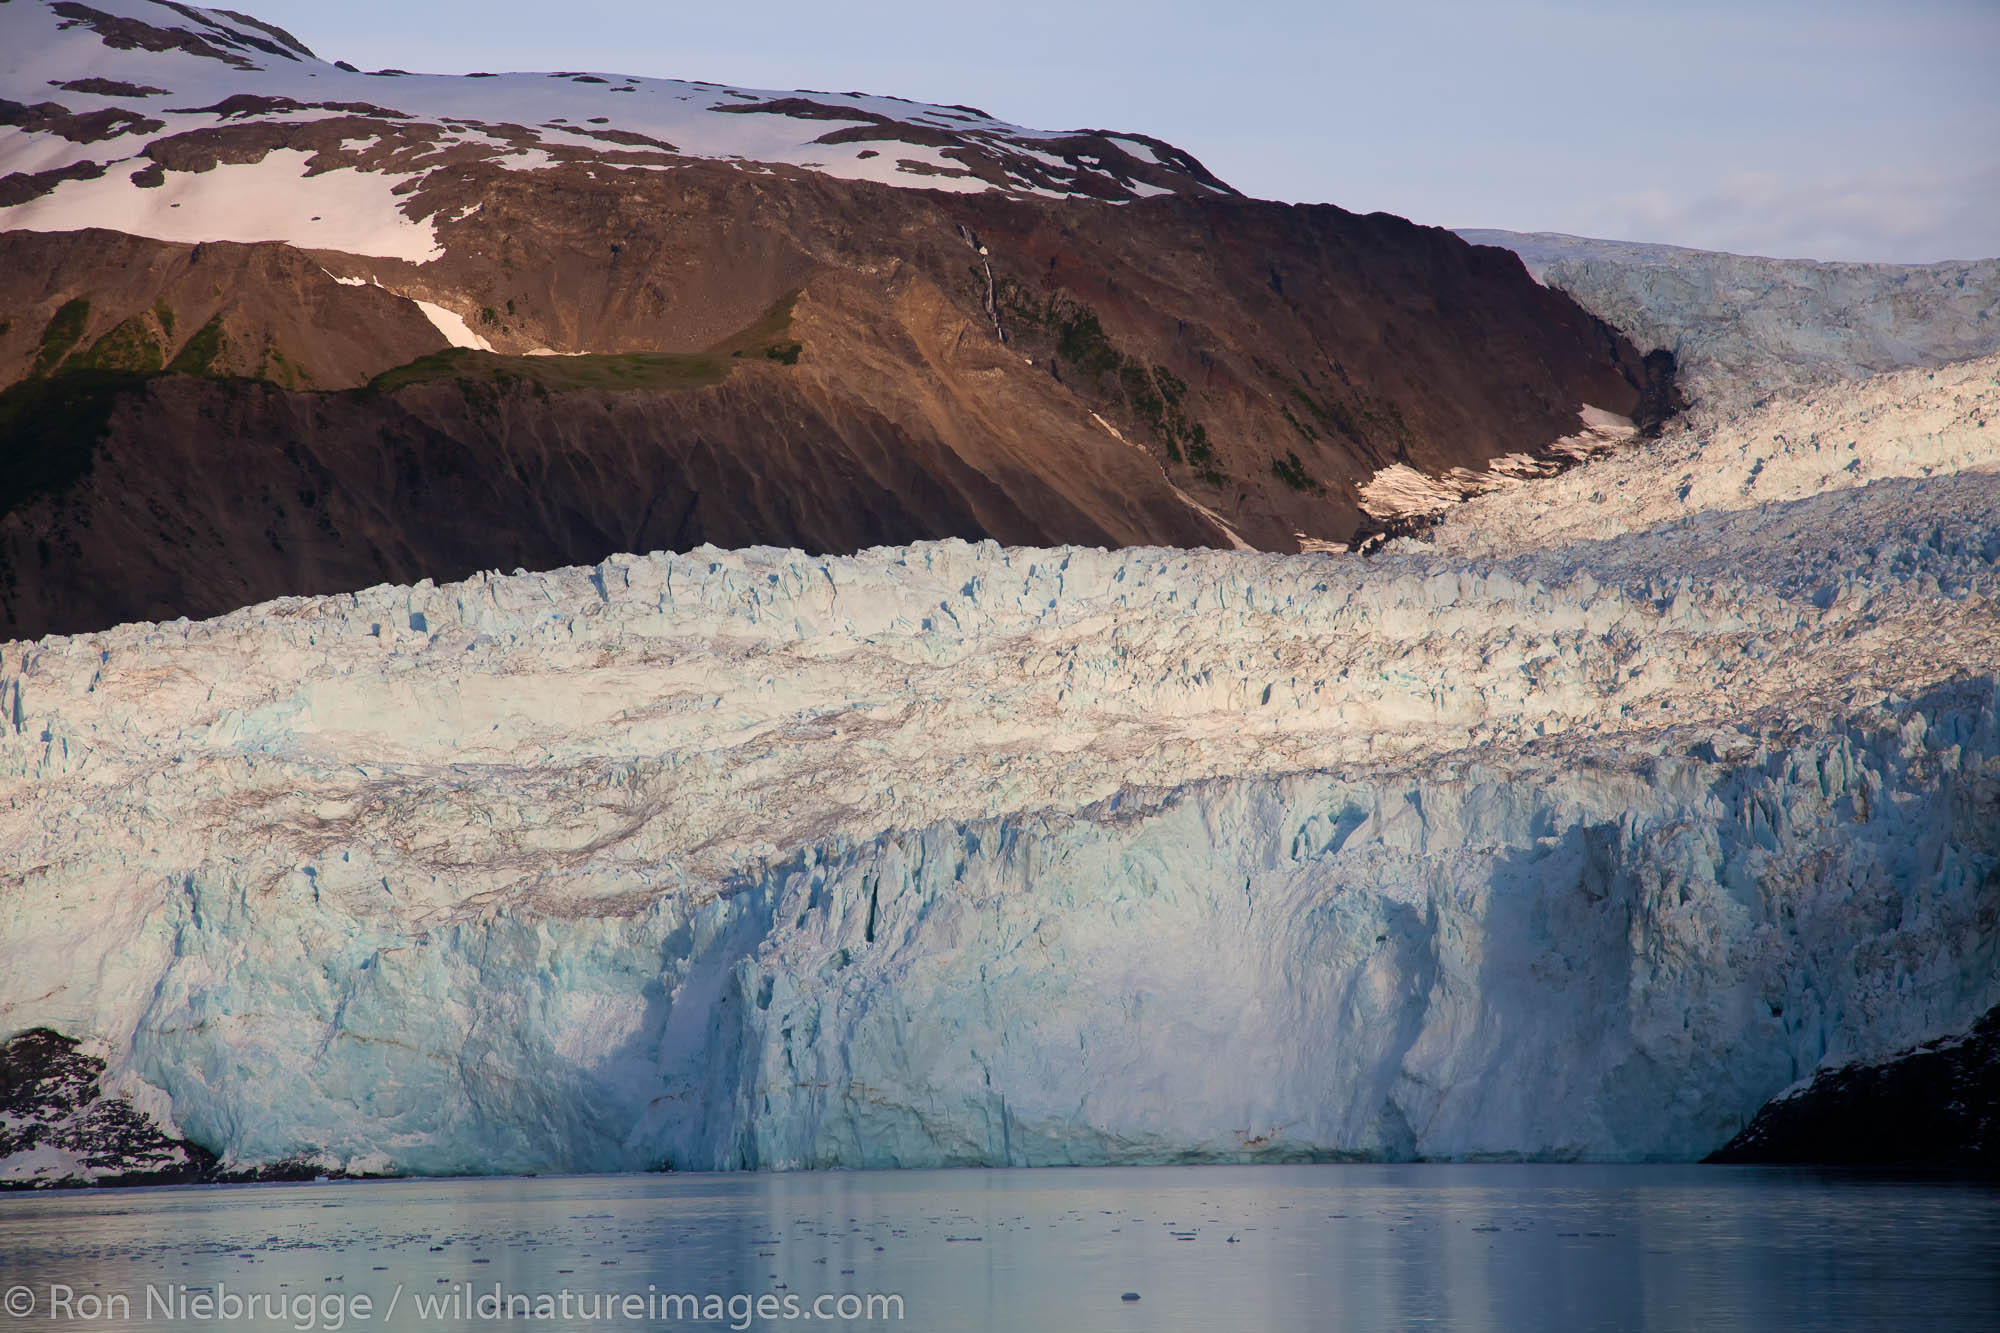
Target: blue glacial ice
1579, 829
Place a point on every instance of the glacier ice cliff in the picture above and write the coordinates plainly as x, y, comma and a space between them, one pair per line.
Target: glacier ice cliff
1743, 327
1576, 830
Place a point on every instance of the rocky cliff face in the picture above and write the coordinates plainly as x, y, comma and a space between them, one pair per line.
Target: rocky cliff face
56, 1127
910, 322
1937, 1105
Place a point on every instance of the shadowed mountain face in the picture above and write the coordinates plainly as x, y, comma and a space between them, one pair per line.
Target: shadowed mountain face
804, 353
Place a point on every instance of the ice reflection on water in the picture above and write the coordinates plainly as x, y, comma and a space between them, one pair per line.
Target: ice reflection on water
1223, 1248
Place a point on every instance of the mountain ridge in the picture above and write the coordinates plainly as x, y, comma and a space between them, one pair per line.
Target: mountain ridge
1139, 357
117, 151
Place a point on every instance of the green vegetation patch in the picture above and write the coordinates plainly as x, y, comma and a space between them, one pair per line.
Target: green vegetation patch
1363, 418
1293, 473
769, 339
1090, 360
1081, 341
203, 351
130, 346
64, 328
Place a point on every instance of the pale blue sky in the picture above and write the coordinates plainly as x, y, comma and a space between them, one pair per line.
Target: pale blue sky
1827, 129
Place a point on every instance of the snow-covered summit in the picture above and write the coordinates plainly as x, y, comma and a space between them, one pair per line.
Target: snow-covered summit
181, 123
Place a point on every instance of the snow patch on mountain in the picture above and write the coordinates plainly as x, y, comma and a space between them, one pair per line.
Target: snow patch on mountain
237, 133
453, 326
272, 199
1576, 830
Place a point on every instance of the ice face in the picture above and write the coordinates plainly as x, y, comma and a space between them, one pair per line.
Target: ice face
1744, 328
1619, 962
1577, 830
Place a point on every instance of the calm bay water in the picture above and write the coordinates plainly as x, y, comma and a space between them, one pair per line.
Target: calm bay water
1224, 1248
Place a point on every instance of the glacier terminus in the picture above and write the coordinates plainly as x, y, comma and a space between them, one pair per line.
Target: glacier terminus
1574, 827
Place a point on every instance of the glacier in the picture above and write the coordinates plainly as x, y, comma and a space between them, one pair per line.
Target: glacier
1754, 340
1575, 828
1743, 328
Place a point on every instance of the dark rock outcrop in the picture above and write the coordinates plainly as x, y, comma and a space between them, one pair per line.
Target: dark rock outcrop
1938, 1105
58, 1129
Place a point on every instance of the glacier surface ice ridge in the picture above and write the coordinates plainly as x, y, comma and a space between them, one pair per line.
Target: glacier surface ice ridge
1577, 829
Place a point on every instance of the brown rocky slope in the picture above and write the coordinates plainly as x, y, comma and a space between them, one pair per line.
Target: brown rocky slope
775, 357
